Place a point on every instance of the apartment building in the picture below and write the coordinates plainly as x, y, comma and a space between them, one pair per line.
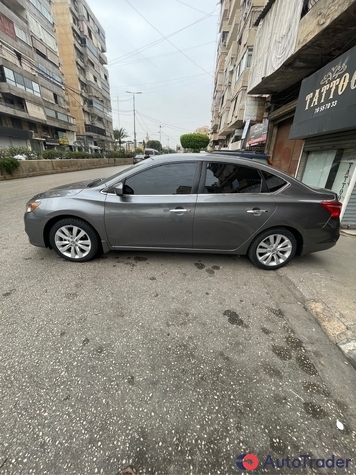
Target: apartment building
305, 63
233, 112
82, 50
33, 103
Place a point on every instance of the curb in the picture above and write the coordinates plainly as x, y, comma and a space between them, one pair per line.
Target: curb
343, 337
337, 331
348, 348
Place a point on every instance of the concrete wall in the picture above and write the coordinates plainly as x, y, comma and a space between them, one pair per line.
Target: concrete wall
30, 168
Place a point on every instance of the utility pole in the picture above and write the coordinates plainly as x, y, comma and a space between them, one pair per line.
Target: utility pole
134, 114
118, 113
160, 132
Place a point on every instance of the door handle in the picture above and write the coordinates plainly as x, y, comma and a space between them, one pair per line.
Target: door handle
179, 210
257, 211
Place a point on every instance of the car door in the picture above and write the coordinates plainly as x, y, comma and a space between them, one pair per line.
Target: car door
230, 206
157, 208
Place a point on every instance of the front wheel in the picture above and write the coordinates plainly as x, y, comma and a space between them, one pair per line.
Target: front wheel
74, 240
273, 249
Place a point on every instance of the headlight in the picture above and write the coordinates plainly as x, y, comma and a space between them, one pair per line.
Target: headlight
32, 205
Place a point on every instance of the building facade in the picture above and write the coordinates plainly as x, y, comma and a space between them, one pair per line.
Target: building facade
82, 50
285, 84
305, 64
233, 112
33, 102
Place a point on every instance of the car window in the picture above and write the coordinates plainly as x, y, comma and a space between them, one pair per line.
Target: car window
170, 179
273, 182
228, 178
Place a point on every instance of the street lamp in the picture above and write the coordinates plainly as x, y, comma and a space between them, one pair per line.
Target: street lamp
134, 114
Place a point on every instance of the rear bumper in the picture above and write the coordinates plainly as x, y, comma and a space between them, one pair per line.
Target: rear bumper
326, 238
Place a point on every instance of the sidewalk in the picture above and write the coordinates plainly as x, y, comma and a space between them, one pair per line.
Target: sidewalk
327, 281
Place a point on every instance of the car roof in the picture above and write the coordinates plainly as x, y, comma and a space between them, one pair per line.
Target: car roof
213, 157
216, 157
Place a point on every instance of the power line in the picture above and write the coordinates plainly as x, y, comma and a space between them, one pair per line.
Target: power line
166, 38
160, 122
157, 82
186, 4
154, 43
165, 54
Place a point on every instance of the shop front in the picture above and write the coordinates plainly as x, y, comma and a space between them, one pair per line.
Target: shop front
325, 118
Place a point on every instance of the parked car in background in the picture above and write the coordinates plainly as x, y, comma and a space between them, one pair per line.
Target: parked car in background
206, 203
138, 158
151, 152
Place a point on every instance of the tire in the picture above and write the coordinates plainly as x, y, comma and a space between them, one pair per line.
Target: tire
74, 240
273, 249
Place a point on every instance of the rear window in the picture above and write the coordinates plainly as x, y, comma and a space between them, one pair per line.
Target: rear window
273, 182
228, 178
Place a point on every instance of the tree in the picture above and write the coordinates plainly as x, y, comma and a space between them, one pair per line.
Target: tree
155, 144
195, 142
120, 135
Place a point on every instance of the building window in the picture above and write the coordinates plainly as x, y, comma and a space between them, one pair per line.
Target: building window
22, 82
32, 126
244, 63
16, 123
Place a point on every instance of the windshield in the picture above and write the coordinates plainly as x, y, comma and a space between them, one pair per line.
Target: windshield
113, 177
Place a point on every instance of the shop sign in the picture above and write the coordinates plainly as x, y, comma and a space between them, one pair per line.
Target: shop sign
258, 133
327, 99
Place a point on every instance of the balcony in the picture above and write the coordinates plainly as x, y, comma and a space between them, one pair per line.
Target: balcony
18, 5
91, 129
325, 28
102, 58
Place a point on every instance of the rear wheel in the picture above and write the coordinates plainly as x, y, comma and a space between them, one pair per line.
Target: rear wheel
273, 249
74, 240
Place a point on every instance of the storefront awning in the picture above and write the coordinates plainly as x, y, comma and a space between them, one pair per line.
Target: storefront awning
258, 141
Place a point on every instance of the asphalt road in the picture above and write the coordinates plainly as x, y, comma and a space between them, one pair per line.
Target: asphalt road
160, 363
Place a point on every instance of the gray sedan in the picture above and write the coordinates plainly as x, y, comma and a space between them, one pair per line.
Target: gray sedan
206, 203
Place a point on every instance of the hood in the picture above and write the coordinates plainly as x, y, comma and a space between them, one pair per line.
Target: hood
65, 190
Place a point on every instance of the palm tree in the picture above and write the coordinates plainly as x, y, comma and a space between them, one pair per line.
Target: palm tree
120, 135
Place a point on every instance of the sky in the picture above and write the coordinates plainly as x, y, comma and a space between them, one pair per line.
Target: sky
165, 49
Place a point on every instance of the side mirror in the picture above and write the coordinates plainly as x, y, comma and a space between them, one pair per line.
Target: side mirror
119, 189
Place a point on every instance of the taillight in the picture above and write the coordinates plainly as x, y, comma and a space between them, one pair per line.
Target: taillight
334, 208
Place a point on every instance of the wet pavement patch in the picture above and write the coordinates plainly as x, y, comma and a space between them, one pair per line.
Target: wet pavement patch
140, 258
282, 352
7, 294
306, 365
271, 370
314, 410
235, 319
276, 311
199, 265
294, 342
266, 331
153, 278
315, 388
210, 271
85, 341
215, 267
131, 380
